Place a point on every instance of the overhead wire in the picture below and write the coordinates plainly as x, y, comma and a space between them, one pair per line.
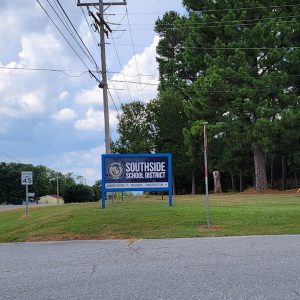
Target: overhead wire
11, 157
192, 24
120, 64
214, 48
149, 75
91, 31
209, 92
83, 43
46, 70
220, 9
64, 22
80, 58
121, 68
134, 52
109, 93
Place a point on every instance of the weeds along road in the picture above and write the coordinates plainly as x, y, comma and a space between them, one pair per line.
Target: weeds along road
259, 267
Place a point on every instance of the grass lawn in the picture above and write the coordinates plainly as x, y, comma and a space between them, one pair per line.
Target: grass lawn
142, 218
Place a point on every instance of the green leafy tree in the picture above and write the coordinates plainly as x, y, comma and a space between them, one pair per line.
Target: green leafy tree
135, 128
97, 190
243, 80
78, 193
170, 120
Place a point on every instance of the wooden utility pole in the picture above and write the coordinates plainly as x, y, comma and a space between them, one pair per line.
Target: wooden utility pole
104, 79
103, 28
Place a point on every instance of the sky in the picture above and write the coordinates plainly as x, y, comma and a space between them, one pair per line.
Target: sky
55, 118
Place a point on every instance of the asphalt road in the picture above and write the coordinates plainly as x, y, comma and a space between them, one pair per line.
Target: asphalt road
10, 207
204, 268
4, 208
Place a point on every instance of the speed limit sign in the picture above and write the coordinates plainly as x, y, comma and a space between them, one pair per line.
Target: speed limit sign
26, 178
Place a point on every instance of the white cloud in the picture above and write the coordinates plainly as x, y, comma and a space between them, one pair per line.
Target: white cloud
93, 156
39, 48
143, 64
63, 95
88, 97
65, 114
32, 103
29, 98
22, 106
84, 163
85, 33
95, 121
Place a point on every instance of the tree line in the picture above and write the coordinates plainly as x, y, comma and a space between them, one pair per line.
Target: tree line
235, 66
71, 187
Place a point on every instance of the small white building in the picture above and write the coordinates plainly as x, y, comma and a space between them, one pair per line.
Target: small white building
51, 199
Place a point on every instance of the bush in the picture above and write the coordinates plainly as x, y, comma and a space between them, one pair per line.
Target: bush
77, 193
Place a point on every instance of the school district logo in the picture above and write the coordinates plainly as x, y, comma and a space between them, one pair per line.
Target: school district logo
115, 170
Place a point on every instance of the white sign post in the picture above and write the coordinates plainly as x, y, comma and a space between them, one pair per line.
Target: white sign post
26, 179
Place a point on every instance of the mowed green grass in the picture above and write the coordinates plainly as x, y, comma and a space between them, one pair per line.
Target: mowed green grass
145, 218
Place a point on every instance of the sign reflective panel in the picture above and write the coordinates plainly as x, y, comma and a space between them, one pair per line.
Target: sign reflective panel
26, 178
136, 172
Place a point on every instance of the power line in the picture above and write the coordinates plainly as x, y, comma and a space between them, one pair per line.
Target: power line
92, 33
134, 52
91, 56
218, 89
215, 48
133, 75
118, 97
113, 102
136, 82
221, 9
203, 25
190, 25
249, 8
120, 72
62, 34
120, 64
216, 26
121, 68
46, 70
129, 75
64, 21
11, 157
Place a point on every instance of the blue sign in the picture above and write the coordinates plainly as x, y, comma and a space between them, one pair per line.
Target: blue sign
136, 172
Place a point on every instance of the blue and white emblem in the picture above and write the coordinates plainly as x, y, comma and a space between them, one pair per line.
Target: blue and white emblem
115, 170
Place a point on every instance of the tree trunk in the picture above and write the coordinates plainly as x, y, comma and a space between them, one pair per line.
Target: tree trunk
194, 183
232, 181
272, 173
260, 170
217, 182
283, 172
241, 181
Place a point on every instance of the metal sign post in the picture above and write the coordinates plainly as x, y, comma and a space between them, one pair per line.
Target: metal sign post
136, 172
206, 176
26, 179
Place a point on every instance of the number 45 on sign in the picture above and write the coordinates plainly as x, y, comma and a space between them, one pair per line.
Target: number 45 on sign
26, 178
